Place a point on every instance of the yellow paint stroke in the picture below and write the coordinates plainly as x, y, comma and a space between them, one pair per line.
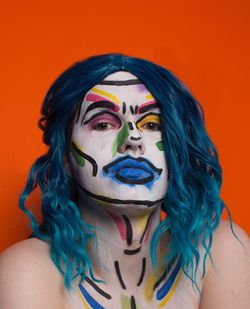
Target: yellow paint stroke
106, 94
149, 285
84, 301
142, 221
150, 118
149, 96
125, 302
171, 292
77, 145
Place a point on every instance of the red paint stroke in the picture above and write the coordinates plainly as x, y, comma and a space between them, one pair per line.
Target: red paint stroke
96, 97
120, 224
146, 104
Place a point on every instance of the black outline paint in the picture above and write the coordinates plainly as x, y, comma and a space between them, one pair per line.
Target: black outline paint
134, 181
118, 273
132, 302
163, 276
140, 159
128, 229
146, 108
85, 156
130, 126
136, 109
117, 201
132, 110
132, 252
124, 108
149, 114
135, 138
143, 270
97, 288
102, 113
120, 82
99, 104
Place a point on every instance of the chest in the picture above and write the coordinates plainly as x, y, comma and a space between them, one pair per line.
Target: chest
172, 294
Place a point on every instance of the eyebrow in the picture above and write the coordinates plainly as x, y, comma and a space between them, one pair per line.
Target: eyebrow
147, 106
102, 104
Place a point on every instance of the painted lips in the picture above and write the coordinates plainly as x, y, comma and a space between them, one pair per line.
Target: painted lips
133, 171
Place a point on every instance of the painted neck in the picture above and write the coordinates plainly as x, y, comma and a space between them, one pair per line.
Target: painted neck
123, 236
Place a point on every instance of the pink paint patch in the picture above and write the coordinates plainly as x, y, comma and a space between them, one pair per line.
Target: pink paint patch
148, 229
146, 104
120, 224
142, 88
95, 97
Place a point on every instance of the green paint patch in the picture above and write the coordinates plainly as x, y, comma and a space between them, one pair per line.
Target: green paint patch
79, 160
121, 137
159, 145
125, 302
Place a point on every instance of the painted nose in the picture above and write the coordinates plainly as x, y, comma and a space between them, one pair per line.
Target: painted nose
134, 141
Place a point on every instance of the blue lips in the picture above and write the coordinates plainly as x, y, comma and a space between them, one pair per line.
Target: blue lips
132, 171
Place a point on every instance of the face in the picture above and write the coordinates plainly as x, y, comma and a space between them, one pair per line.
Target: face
116, 148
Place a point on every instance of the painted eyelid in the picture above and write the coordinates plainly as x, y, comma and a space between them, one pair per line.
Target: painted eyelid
149, 118
101, 115
113, 120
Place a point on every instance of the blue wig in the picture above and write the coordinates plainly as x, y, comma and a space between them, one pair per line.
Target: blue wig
192, 203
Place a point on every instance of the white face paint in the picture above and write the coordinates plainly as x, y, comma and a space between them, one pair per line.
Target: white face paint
116, 150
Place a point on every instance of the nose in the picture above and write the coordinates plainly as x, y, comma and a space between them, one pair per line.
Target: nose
134, 141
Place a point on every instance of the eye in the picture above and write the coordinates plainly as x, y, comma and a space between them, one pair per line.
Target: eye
151, 122
102, 126
152, 126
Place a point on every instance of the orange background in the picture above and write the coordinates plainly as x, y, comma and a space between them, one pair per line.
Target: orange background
206, 43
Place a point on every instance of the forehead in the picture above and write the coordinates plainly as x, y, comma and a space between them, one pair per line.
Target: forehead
121, 87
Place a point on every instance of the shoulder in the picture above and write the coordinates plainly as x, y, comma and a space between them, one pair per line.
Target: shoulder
28, 277
227, 280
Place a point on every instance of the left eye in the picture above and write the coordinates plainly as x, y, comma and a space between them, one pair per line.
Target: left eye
152, 126
102, 126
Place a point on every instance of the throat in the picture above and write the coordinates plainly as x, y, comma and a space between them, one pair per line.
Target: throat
121, 246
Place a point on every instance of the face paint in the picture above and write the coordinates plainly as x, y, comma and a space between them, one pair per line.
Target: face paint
117, 132
159, 145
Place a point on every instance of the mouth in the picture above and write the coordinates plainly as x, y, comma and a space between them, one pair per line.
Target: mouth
132, 171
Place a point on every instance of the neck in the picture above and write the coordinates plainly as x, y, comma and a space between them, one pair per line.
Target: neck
120, 252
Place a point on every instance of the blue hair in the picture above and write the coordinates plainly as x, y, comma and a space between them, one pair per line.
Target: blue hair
192, 203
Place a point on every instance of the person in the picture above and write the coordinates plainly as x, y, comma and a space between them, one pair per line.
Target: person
130, 199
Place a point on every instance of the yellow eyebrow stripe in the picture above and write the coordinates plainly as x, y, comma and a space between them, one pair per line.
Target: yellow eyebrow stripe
106, 94
149, 96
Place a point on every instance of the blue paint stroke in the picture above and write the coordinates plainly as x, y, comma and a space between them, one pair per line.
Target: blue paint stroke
162, 292
91, 301
132, 171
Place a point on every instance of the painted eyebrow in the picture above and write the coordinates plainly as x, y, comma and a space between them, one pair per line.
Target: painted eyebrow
147, 106
149, 114
98, 104
100, 114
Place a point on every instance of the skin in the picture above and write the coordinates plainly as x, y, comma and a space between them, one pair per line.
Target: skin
38, 284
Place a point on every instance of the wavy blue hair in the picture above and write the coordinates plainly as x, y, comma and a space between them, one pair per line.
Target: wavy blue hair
192, 203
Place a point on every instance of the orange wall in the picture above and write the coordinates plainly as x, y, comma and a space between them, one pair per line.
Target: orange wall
206, 43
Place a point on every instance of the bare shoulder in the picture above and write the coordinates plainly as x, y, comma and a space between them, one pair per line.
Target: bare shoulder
28, 277
227, 283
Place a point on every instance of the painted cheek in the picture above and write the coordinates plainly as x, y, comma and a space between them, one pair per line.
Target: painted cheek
121, 137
